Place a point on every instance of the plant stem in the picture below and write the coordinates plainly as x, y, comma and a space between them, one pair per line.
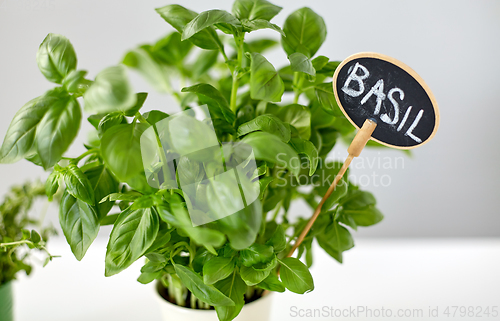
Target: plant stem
298, 81
236, 81
89, 152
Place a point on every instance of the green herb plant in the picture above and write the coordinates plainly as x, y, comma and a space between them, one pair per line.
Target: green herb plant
15, 237
288, 116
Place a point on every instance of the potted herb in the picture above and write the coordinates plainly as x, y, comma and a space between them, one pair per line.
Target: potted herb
15, 239
209, 249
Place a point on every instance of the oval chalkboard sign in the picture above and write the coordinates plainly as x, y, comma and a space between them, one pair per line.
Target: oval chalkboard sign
371, 85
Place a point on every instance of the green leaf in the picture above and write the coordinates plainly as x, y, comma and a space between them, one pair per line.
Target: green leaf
296, 276
259, 45
307, 148
78, 185
265, 82
324, 93
325, 176
111, 91
121, 150
141, 59
19, 139
103, 184
234, 288
146, 277
365, 216
133, 233
305, 32
79, 223
56, 57
319, 62
278, 239
257, 24
171, 50
75, 82
257, 253
207, 19
35, 237
217, 268
335, 239
57, 130
266, 123
299, 117
272, 283
217, 104
154, 116
178, 17
141, 98
300, 63
110, 120
52, 184
255, 9
206, 293
252, 276
271, 149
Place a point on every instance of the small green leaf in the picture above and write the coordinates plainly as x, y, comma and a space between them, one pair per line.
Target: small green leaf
319, 62
171, 50
141, 98
272, 283
121, 150
142, 60
365, 216
111, 91
52, 184
79, 223
75, 81
103, 184
56, 57
299, 117
252, 276
271, 149
299, 62
278, 239
110, 120
133, 233
265, 82
234, 288
296, 276
359, 199
266, 123
217, 268
78, 185
324, 93
178, 17
257, 253
35, 237
208, 19
305, 32
255, 9
257, 24
204, 292
307, 148
335, 239
217, 104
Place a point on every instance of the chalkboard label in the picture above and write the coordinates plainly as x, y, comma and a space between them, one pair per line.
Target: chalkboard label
371, 85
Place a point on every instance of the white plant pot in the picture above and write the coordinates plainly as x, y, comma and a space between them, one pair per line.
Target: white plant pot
259, 309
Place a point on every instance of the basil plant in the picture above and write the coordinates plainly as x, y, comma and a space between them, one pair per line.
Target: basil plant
205, 200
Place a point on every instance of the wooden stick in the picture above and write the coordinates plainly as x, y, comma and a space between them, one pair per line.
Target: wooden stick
354, 150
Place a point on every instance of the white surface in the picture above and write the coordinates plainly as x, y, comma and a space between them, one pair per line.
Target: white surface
394, 274
449, 187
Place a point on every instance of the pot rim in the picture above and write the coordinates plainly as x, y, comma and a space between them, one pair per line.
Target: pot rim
267, 294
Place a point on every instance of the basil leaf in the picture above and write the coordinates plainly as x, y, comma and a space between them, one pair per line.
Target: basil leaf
52, 184
272, 283
335, 239
103, 184
56, 57
308, 149
78, 185
20, 136
257, 24
110, 120
278, 239
252, 276
234, 288
133, 233
266, 123
326, 175
296, 276
255, 9
205, 60
111, 91
359, 199
79, 223
217, 268
57, 130
299, 117
141, 98
75, 82
319, 62
365, 216
300, 63
178, 17
217, 104
305, 32
208, 19
256, 253
265, 82
171, 50
204, 292
121, 150
271, 149
142, 60
259, 45
324, 93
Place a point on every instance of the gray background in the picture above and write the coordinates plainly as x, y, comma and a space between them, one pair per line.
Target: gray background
449, 187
